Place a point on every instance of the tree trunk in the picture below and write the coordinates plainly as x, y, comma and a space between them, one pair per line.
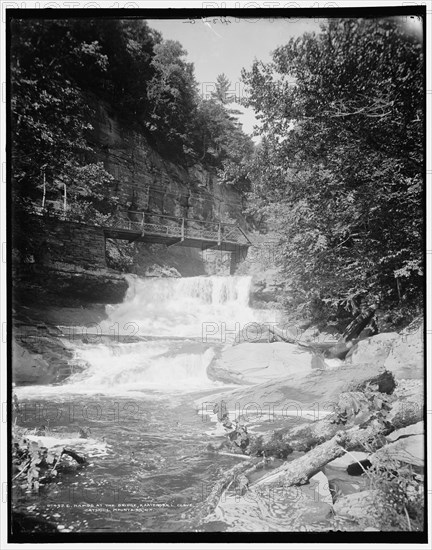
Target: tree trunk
354, 329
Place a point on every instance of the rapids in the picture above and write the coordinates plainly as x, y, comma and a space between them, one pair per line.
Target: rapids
138, 373
173, 326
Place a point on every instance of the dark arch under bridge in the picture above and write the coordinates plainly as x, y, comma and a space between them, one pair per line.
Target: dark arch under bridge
175, 231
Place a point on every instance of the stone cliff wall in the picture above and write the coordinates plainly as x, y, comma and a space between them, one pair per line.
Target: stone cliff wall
65, 264
69, 260
66, 242
146, 181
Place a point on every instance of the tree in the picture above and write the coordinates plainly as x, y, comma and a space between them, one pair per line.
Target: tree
50, 116
221, 142
172, 93
223, 86
339, 171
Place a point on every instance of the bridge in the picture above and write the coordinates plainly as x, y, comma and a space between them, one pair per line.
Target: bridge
155, 228
172, 230
150, 227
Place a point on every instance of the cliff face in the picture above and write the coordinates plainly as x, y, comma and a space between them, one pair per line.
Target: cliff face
146, 181
70, 259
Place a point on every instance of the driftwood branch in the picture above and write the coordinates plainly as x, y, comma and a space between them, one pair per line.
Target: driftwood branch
78, 458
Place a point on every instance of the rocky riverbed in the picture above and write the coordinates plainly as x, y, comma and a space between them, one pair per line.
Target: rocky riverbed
273, 406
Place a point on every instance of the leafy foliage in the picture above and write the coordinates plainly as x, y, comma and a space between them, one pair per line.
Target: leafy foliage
338, 174
38, 464
50, 116
58, 65
399, 495
172, 93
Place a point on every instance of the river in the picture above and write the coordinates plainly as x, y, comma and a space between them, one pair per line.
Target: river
137, 375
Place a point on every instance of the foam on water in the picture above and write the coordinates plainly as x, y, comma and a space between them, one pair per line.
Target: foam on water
205, 310
182, 307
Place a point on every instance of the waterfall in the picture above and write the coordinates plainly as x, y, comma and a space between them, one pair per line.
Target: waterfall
182, 307
177, 325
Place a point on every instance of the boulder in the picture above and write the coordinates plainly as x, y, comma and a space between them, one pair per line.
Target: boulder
375, 349
406, 356
30, 368
250, 363
409, 450
360, 507
414, 429
311, 393
318, 489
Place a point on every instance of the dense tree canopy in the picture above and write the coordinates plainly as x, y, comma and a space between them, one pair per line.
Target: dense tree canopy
339, 172
56, 65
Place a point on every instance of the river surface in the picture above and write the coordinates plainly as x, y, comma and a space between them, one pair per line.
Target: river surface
137, 375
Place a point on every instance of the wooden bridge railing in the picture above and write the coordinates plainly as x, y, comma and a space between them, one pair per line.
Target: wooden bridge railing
172, 226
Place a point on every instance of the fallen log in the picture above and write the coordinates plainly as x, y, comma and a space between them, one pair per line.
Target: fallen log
78, 458
300, 470
352, 407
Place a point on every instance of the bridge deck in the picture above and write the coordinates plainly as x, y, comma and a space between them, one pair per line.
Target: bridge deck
170, 230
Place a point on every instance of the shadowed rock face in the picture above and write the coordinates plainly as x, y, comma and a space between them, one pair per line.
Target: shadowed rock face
43, 360
40, 351
68, 286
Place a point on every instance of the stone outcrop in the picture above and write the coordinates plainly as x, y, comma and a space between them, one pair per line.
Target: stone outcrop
402, 354
373, 349
361, 507
254, 363
43, 360
301, 388
67, 285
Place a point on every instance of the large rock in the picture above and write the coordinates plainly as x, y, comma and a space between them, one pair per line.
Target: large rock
372, 350
309, 393
39, 357
361, 507
413, 429
406, 357
409, 450
250, 363
402, 354
318, 489
30, 368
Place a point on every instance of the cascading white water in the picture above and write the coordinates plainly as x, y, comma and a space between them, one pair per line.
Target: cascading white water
183, 307
184, 318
